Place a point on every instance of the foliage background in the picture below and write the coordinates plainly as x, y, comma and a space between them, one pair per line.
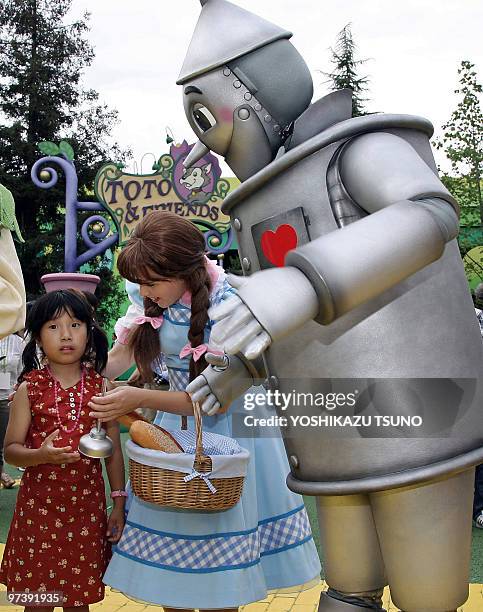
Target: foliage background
43, 56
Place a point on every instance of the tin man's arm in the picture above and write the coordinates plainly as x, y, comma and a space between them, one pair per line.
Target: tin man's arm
225, 379
413, 216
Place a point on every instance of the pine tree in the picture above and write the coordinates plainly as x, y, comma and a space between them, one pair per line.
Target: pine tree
344, 74
462, 141
43, 56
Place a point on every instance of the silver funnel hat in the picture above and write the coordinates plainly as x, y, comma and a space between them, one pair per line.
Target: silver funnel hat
223, 33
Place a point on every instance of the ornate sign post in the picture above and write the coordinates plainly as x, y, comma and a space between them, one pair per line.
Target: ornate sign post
196, 194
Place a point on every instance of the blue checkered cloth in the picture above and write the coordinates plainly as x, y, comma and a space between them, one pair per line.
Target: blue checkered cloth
218, 552
213, 444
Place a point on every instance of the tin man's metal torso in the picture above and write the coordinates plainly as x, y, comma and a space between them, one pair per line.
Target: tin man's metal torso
423, 327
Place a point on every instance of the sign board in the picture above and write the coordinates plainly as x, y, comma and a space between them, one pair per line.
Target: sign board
196, 194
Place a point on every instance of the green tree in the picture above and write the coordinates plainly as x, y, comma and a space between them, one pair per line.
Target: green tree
43, 57
462, 142
345, 72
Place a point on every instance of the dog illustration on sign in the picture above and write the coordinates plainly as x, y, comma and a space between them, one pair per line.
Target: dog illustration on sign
194, 179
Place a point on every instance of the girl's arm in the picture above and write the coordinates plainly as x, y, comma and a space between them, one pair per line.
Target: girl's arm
18, 425
115, 463
115, 473
120, 359
125, 399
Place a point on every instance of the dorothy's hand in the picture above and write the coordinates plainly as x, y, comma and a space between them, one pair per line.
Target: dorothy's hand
115, 403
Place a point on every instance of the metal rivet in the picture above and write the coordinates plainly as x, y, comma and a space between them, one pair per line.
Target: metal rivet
226, 71
237, 84
258, 107
244, 113
268, 118
237, 224
248, 96
246, 265
276, 128
294, 461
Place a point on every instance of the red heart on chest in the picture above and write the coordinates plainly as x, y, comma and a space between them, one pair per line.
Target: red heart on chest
276, 245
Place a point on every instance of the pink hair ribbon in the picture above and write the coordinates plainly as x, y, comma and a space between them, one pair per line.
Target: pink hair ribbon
197, 351
156, 322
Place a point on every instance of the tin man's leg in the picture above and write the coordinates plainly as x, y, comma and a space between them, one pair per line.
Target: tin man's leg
425, 536
354, 568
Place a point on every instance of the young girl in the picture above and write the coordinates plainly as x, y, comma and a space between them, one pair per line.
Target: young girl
185, 559
59, 532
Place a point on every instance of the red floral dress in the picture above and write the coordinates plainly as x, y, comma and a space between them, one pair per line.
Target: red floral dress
57, 538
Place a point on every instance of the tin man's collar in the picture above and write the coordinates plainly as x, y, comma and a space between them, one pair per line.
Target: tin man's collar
329, 110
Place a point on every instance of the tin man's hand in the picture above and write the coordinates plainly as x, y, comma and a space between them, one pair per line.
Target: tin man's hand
237, 329
225, 379
270, 304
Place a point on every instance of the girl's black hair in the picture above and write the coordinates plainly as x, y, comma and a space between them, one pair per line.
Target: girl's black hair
52, 305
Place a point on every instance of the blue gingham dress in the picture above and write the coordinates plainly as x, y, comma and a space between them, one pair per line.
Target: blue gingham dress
190, 559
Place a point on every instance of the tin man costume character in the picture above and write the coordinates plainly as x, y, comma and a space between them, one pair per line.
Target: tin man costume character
352, 270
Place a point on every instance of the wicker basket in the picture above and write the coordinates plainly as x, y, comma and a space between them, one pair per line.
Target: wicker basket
169, 488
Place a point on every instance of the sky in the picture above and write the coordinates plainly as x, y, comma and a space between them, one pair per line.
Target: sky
414, 49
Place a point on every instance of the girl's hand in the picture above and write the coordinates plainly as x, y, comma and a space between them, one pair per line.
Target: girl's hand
115, 403
115, 524
48, 453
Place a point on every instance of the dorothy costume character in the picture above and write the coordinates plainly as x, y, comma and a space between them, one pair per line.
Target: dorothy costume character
191, 559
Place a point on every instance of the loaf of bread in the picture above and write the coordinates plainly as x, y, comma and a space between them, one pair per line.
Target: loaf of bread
128, 419
154, 437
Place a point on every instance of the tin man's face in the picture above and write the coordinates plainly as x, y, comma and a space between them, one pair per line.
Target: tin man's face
209, 102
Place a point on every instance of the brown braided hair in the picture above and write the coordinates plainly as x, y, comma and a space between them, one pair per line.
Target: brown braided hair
167, 245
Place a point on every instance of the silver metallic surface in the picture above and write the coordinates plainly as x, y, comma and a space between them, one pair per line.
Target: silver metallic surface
378, 169
417, 559
349, 266
96, 444
196, 153
247, 32
246, 264
290, 290
225, 384
391, 525
230, 136
374, 231
279, 78
237, 224
377, 339
415, 128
